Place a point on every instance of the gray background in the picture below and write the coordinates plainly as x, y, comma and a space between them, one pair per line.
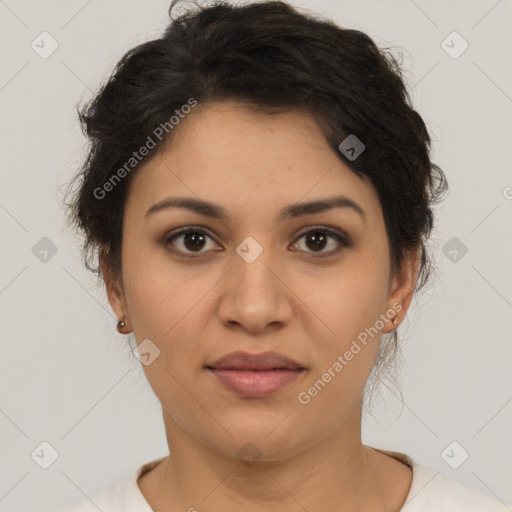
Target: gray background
68, 378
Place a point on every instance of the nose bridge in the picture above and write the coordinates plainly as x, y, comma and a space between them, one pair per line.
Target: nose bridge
252, 262
255, 297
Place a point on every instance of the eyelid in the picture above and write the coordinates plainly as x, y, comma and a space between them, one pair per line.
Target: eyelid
339, 235
182, 231
331, 230
186, 229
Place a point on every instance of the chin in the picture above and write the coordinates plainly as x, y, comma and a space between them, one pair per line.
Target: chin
259, 440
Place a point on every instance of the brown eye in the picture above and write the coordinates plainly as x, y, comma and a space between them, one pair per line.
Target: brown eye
316, 240
190, 241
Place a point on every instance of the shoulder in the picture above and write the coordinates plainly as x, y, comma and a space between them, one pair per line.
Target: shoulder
109, 497
430, 491
437, 493
122, 495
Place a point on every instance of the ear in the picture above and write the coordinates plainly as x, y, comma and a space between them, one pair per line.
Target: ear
402, 285
115, 292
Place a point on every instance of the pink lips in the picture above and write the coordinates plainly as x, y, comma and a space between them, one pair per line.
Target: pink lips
255, 375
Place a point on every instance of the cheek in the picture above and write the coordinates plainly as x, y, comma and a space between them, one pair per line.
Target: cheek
348, 304
160, 294
165, 310
343, 358
346, 344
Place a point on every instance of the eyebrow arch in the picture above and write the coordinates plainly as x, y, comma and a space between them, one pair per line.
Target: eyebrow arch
209, 209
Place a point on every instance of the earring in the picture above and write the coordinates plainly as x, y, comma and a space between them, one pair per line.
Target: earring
395, 322
121, 325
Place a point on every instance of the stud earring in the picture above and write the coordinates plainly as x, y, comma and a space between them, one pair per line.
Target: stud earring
121, 325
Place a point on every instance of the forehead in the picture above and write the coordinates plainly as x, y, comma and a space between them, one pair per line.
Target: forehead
224, 152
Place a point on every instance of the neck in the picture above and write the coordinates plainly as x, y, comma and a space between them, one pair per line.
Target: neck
338, 473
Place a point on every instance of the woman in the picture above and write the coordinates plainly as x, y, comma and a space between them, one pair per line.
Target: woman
258, 193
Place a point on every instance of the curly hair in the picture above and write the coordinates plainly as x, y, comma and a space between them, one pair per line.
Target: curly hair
273, 58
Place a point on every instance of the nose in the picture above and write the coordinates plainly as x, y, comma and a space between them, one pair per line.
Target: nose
255, 296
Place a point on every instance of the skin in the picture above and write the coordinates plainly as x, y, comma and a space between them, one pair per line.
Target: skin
290, 299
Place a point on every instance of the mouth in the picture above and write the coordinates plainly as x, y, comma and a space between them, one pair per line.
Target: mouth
256, 383
255, 375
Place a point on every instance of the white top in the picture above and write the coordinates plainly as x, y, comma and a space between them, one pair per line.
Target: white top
430, 492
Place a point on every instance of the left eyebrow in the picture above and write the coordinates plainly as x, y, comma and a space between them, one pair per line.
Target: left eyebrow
213, 210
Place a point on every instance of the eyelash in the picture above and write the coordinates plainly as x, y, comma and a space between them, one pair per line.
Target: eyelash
342, 239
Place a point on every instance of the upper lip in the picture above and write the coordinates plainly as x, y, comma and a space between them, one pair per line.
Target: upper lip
245, 361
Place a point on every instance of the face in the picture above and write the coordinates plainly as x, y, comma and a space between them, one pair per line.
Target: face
312, 285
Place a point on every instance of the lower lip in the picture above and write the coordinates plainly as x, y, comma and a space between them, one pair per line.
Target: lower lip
256, 384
